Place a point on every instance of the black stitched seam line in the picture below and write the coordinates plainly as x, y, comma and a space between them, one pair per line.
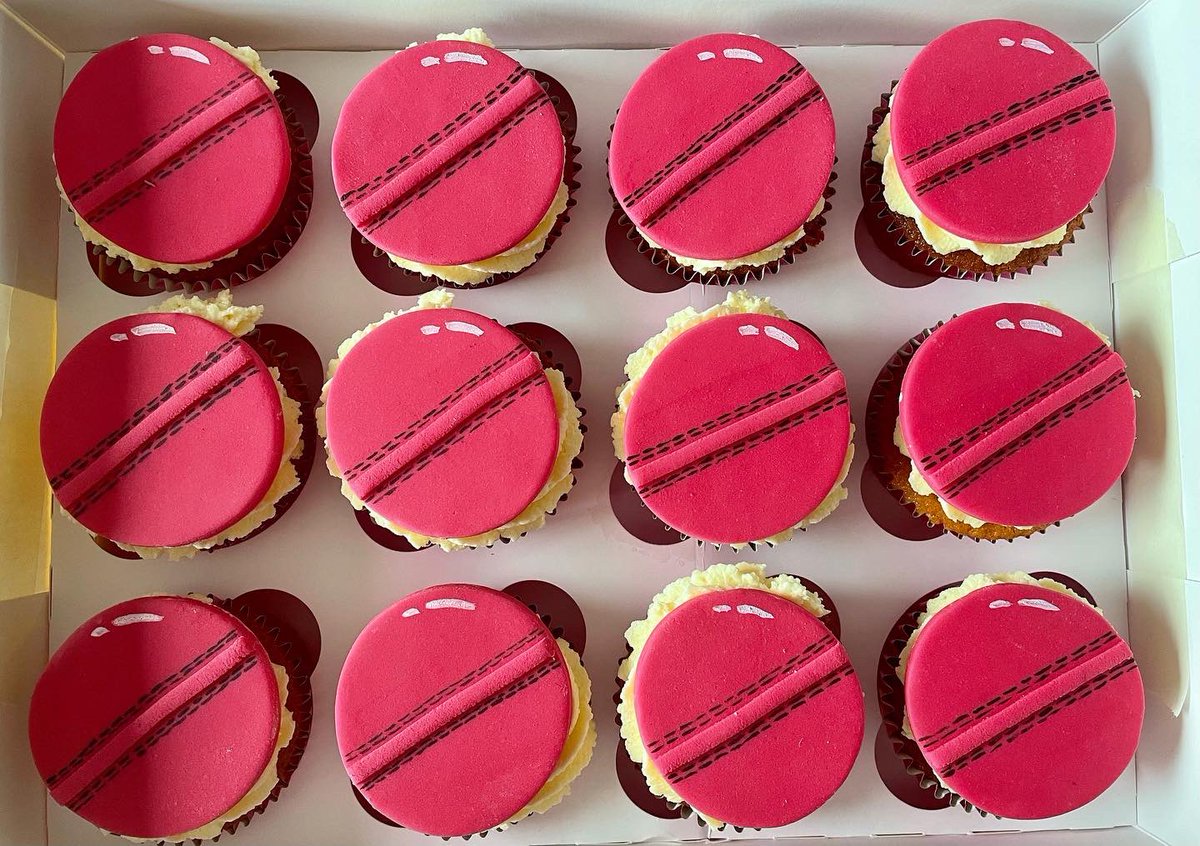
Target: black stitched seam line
968, 438
743, 410
425, 706
1017, 108
461, 720
712, 134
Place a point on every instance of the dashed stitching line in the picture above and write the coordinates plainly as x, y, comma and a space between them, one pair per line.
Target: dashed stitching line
446, 692
1038, 717
1004, 114
460, 721
739, 697
708, 137
975, 433
744, 410
165, 394
1085, 401
759, 726
1017, 142
1004, 697
137, 707
738, 447
456, 123
162, 730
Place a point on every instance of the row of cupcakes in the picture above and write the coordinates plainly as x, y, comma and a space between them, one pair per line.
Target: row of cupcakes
182, 158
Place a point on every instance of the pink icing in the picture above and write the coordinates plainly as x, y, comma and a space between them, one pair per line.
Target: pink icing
985, 123
456, 745
1025, 701
1013, 423
465, 434
720, 157
738, 429
445, 160
161, 430
717, 735
171, 148
96, 723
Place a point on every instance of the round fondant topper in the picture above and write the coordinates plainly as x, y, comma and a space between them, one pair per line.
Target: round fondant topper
161, 430
155, 717
723, 147
443, 422
171, 148
452, 709
739, 428
449, 152
1001, 131
748, 706
1017, 414
1025, 701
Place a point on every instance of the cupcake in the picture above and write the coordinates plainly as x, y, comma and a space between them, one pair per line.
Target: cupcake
734, 425
449, 157
458, 712
169, 431
966, 158
170, 718
447, 429
174, 155
1012, 417
737, 700
1017, 696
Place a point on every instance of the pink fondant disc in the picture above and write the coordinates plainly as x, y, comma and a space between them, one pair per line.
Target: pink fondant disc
449, 152
1017, 414
161, 430
739, 429
172, 149
749, 706
452, 709
722, 148
1025, 702
443, 422
1001, 131
155, 717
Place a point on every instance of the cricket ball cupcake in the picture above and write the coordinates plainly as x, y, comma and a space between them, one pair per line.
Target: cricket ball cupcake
1019, 696
1012, 417
734, 425
968, 155
449, 157
721, 157
175, 155
169, 718
493, 730
168, 432
737, 700
447, 429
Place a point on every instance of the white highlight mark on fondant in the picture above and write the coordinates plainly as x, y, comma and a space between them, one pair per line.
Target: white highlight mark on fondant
118, 336
462, 326
99, 631
154, 50
458, 56
1007, 42
739, 53
747, 330
706, 55
1038, 603
1041, 326
1034, 44
755, 611
130, 619
1000, 603
460, 604
153, 329
721, 609
430, 61
189, 53
1005, 323
781, 336
430, 329
411, 612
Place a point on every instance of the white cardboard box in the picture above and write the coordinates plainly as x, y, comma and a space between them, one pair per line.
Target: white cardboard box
1134, 271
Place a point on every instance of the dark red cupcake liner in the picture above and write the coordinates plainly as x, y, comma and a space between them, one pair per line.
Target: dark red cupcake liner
381, 272
888, 230
263, 252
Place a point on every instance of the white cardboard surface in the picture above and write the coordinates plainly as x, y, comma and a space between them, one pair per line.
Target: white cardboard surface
318, 552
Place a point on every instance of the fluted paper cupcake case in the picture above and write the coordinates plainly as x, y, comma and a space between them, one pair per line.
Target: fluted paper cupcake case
900, 239
252, 259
